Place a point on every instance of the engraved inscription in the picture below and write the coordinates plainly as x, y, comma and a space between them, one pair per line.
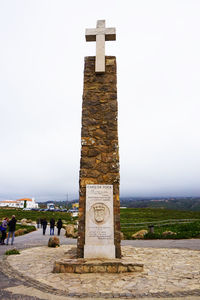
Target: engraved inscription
99, 215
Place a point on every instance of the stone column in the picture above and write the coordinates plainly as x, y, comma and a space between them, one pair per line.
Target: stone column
99, 139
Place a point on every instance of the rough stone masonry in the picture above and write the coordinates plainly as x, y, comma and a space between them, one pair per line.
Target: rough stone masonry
99, 138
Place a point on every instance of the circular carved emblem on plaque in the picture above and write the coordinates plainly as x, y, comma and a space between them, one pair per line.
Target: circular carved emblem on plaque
99, 213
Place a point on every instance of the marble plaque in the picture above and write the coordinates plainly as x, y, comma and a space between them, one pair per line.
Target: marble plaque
99, 230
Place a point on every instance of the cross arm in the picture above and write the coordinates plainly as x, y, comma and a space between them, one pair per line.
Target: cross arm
90, 34
110, 34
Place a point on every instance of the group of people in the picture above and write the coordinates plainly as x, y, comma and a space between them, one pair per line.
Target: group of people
53, 223
11, 225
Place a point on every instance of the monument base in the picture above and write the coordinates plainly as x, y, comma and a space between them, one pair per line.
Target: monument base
72, 264
82, 266
99, 251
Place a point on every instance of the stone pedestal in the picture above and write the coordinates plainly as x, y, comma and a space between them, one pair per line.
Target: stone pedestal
82, 266
99, 164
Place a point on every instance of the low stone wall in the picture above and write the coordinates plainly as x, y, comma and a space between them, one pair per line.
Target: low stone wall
95, 266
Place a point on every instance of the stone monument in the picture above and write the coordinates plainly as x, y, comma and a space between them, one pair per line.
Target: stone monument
98, 244
99, 205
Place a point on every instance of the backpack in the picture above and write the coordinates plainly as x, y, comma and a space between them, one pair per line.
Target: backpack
2, 228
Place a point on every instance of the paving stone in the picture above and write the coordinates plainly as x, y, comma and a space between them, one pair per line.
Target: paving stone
187, 279
159, 263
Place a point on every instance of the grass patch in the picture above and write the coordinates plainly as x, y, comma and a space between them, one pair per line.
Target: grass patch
127, 216
34, 215
23, 229
12, 252
137, 215
28, 228
142, 215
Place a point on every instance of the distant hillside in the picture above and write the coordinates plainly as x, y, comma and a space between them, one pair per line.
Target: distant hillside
177, 203
192, 204
64, 204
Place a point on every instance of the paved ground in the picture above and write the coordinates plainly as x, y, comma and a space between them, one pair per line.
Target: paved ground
15, 287
35, 238
32, 239
193, 244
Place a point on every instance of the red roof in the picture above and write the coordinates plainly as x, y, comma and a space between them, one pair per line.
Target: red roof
25, 199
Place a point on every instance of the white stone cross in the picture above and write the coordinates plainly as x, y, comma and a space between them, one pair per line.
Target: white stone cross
100, 35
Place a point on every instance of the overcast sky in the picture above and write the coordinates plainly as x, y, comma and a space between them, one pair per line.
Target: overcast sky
42, 49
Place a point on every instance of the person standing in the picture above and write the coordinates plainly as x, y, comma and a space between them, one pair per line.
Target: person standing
38, 223
11, 229
41, 222
59, 225
3, 230
44, 226
52, 224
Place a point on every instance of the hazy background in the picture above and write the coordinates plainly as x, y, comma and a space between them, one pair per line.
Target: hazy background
42, 49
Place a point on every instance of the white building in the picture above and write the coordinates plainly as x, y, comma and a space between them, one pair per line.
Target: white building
50, 206
19, 203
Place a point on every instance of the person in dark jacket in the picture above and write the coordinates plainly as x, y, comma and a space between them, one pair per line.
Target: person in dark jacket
52, 224
59, 225
11, 229
44, 226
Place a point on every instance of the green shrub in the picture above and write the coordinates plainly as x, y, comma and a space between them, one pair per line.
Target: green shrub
12, 252
24, 229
